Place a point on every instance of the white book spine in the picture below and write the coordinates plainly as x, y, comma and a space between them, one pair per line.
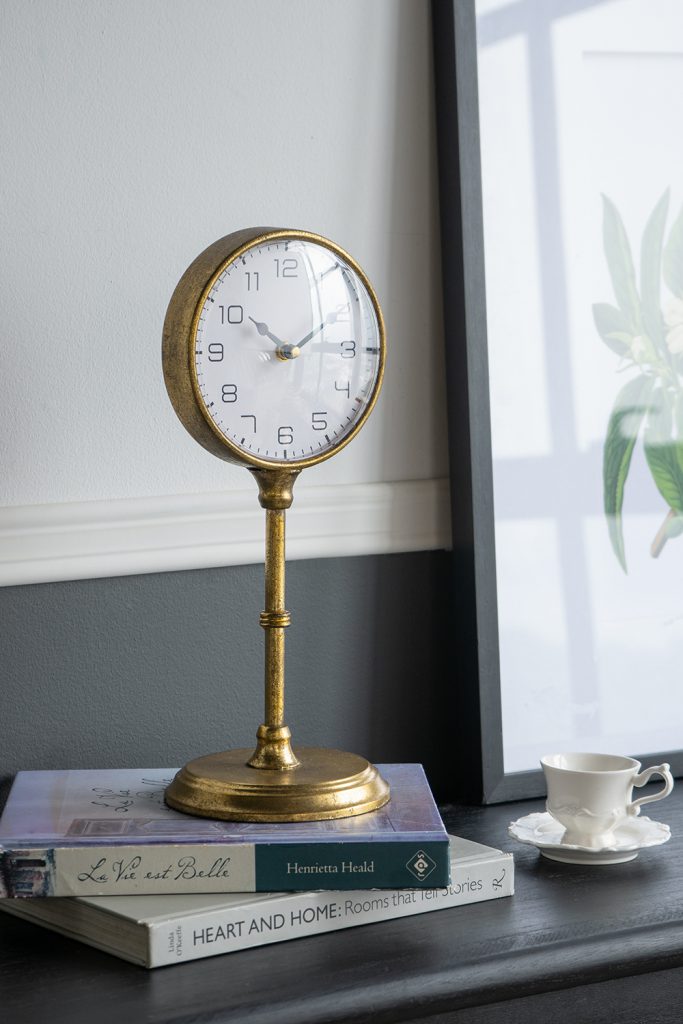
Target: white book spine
161, 869
296, 915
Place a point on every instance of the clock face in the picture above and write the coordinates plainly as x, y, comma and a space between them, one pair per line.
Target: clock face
287, 351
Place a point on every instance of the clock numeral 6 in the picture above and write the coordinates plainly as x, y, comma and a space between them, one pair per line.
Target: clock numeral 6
215, 352
348, 349
231, 314
285, 435
318, 421
229, 392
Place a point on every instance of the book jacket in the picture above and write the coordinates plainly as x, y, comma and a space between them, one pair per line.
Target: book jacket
97, 833
156, 930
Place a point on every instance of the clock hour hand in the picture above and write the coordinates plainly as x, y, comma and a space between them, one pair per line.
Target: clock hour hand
266, 333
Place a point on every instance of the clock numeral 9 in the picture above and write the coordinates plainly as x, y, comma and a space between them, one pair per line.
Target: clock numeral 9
229, 393
345, 387
348, 349
215, 352
287, 268
231, 314
285, 435
318, 421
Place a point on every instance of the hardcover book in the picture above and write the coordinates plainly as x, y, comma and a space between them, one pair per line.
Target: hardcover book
157, 930
97, 833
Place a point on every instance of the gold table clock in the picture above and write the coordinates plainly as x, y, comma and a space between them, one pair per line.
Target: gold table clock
273, 355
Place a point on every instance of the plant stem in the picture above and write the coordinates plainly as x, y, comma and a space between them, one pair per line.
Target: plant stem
662, 535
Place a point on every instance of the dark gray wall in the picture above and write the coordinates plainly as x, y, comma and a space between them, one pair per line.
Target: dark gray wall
150, 671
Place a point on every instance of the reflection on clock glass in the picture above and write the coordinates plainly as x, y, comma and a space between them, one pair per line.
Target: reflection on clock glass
287, 350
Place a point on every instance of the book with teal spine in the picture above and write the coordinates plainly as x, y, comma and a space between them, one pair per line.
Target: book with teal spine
109, 832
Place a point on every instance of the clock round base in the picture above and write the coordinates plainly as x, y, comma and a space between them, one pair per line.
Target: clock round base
325, 784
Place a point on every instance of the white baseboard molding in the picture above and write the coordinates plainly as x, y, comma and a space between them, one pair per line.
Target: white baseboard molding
87, 540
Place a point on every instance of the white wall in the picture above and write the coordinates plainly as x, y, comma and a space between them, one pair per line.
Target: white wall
134, 133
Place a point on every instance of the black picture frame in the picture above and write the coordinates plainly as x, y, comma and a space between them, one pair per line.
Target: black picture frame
475, 707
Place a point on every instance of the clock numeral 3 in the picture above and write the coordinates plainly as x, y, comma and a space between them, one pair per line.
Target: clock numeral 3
318, 421
348, 349
215, 352
285, 435
229, 393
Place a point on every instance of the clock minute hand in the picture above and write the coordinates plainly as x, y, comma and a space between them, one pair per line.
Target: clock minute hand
329, 319
266, 333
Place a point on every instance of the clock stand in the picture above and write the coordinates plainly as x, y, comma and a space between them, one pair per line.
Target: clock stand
211, 358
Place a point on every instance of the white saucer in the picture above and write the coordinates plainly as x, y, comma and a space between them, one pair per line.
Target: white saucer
545, 833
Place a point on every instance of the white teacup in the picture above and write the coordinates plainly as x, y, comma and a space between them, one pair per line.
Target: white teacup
590, 794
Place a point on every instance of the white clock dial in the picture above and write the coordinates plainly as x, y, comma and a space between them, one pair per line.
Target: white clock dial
287, 350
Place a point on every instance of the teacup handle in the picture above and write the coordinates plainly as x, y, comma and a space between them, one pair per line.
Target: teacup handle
660, 769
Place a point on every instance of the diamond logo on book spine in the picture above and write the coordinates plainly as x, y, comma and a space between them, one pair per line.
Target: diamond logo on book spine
421, 865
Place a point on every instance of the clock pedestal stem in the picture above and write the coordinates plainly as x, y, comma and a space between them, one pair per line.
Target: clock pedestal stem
274, 748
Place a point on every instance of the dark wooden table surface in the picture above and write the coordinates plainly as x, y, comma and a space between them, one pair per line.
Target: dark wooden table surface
575, 944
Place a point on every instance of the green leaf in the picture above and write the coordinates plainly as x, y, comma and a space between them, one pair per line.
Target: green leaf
630, 407
651, 273
612, 326
666, 473
620, 264
672, 263
662, 450
623, 338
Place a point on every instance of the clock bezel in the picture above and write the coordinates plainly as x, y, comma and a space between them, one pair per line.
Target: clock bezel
179, 338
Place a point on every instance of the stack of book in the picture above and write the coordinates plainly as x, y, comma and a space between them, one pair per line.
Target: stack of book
99, 857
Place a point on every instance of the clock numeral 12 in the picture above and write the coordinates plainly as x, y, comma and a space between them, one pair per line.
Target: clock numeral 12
287, 268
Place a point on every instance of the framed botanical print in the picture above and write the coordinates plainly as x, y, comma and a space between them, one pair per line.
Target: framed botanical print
561, 189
